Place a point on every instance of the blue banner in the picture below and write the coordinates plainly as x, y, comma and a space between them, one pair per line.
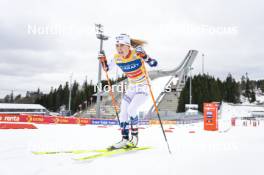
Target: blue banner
103, 122
113, 122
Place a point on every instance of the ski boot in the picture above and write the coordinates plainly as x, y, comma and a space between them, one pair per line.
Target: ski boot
125, 137
119, 145
133, 142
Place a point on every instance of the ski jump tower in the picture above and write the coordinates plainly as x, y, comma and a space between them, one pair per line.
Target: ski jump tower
174, 79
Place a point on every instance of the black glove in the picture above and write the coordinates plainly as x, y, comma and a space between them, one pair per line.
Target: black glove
152, 62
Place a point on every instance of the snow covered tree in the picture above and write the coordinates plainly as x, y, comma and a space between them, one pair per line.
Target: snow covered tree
249, 90
260, 85
231, 90
243, 83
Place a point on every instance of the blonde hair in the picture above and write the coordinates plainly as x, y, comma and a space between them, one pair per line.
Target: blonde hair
137, 42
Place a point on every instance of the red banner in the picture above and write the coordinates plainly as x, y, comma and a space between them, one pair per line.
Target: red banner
40, 119
17, 126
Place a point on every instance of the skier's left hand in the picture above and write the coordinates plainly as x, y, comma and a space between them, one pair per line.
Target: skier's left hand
141, 52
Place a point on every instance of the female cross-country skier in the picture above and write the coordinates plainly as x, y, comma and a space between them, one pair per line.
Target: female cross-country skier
128, 59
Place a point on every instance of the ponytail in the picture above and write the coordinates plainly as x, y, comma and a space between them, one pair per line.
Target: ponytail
137, 42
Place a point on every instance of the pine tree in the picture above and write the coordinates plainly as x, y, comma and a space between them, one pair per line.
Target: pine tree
243, 83
7, 99
12, 97
18, 97
66, 92
231, 90
252, 97
247, 90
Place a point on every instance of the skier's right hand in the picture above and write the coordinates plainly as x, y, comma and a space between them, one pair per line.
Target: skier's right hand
103, 60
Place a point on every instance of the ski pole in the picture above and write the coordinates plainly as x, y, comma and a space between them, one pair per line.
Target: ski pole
155, 105
101, 37
111, 93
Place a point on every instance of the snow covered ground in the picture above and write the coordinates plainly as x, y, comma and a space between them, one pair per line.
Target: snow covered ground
238, 151
236, 110
260, 98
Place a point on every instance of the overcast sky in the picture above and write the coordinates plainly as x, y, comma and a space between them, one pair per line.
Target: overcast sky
43, 42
